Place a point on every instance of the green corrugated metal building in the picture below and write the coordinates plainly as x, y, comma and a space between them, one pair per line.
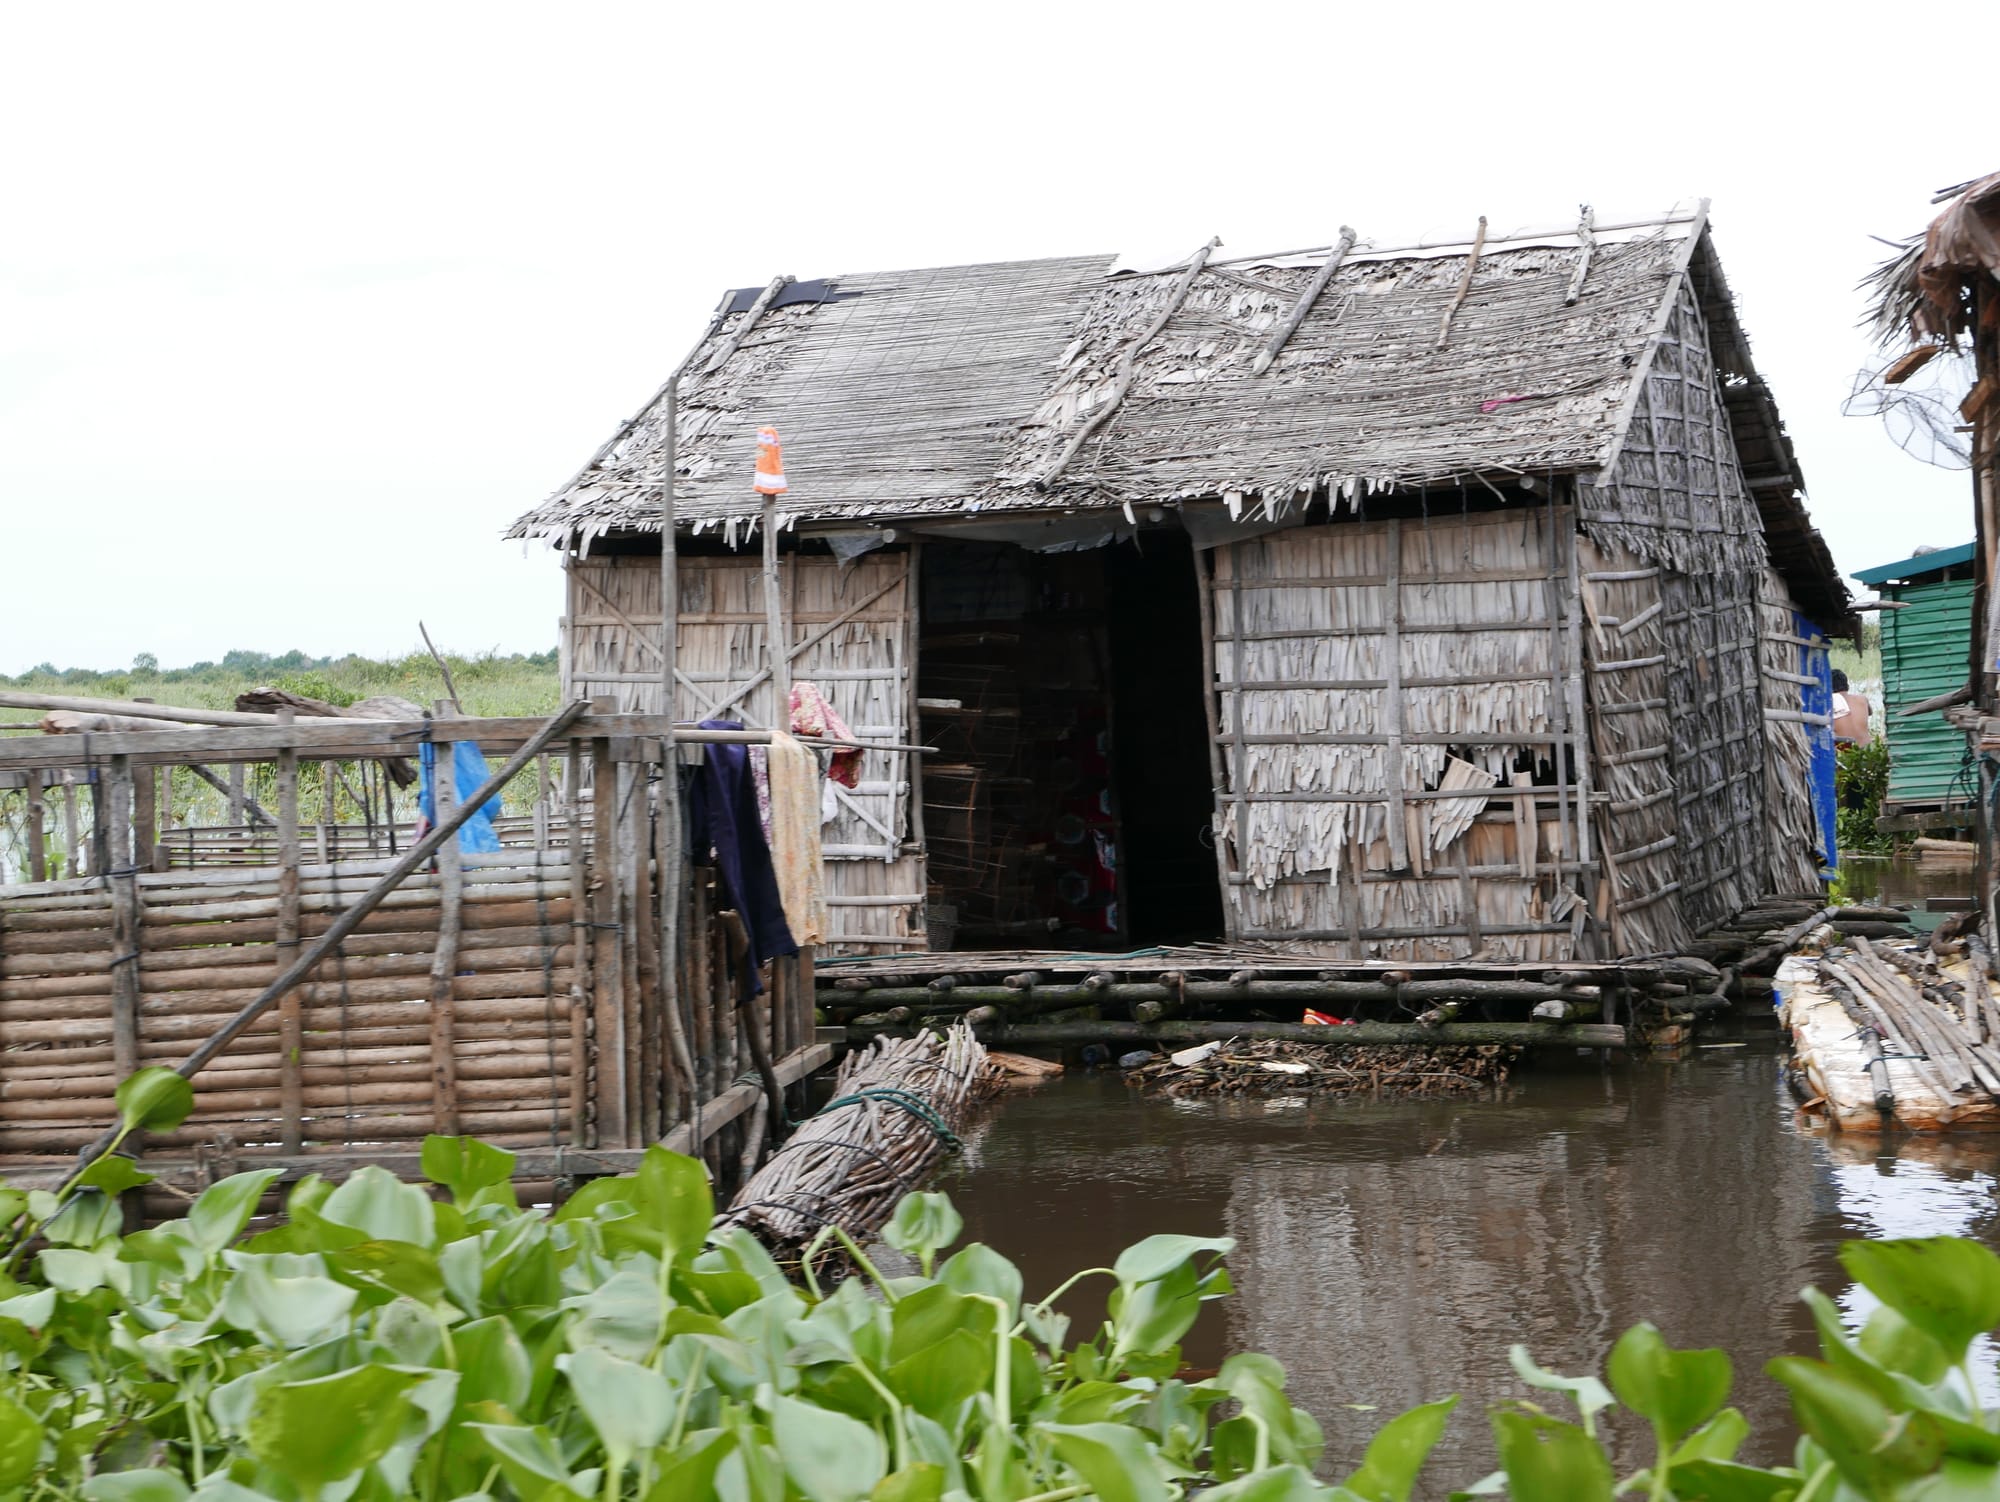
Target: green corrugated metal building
1926, 649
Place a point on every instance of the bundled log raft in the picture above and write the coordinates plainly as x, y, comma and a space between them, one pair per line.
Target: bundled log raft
896, 1110
1894, 1034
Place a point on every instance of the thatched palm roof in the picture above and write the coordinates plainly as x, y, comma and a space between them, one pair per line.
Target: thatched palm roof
921, 394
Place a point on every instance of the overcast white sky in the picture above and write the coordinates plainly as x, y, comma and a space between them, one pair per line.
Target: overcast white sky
301, 305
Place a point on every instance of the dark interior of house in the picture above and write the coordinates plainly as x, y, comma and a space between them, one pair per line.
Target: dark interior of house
1070, 803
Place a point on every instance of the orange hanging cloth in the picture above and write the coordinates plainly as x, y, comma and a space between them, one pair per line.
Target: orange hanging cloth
770, 464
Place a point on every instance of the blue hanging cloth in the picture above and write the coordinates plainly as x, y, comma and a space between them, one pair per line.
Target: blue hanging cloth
1816, 698
476, 834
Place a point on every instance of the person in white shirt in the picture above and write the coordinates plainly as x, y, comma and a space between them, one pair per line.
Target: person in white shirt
1850, 714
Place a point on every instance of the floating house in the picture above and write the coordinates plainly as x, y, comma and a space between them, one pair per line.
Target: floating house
1926, 653
1444, 601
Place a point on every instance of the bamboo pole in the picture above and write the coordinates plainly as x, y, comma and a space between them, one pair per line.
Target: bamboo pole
291, 1033
125, 921
38, 860
607, 967
444, 959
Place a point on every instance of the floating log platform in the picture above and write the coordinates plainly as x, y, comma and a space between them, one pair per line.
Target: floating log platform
1893, 1036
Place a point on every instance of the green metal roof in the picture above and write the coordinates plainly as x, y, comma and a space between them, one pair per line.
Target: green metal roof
1926, 651
1910, 568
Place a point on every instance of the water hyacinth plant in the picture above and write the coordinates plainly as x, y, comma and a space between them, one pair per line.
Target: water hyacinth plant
381, 1343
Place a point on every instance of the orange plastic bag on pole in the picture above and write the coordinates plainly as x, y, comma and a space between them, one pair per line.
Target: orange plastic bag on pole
770, 478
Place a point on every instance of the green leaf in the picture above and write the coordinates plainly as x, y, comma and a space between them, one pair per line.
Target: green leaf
1388, 1470
388, 1268
630, 1406
316, 1432
528, 1457
286, 1310
1896, 1345
829, 1457
153, 1100
1157, 1256
1724, 1481
32, 1309
224, 1208
382, 1207
20, 1444
465, 1165
1719, 1439
1591, 1396
1947, 1287
624, 1314
1675, 1390
918, 1482
923, 1225
1546, 1458
72, 1272
979, 1269
1284, 1483
135, 1486
931, 1313
492, 1362
674, 1198
1149, 1316
1875, 1448
1114, 1461
936, 1379
690, 1476
219, 1488
113, 1174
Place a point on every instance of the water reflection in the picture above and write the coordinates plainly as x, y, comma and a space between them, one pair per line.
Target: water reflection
1390, 1253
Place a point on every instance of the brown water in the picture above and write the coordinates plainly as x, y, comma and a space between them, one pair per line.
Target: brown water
1389, 1253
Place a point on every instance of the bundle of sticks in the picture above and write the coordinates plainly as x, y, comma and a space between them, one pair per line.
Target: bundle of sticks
897, 1107
1901, 997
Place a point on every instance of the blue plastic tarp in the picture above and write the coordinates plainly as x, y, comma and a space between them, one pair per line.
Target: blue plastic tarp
476, 835
1817, 698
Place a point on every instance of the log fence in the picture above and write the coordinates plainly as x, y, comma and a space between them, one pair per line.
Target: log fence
530, 996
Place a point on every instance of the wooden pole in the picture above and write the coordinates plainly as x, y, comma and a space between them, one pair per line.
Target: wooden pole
124, 881
1304, 305
1392, 696
291, 1025
1218, 780
450, 688
777, 637
581, 1085
444, 957
38, 859
72, 841
607, 966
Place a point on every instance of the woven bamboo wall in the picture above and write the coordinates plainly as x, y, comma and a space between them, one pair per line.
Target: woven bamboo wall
1679, 502
1356, 663
858, 622
208, 946
1631, 720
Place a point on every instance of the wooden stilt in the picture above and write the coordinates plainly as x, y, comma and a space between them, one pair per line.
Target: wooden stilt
444, 957
291, 1028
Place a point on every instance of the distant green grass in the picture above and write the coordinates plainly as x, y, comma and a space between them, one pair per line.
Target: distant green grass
1862, 660
489, 684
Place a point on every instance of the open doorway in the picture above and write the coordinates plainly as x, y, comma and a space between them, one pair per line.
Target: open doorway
1070, 802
